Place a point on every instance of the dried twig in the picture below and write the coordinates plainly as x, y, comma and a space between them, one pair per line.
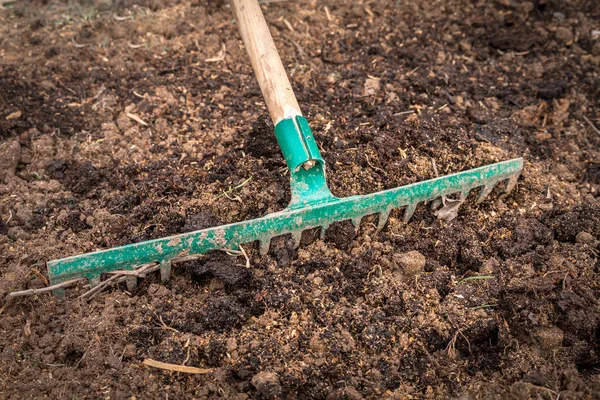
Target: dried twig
139, 272
175, 368
404, 113
43, 290
590, 123
468, 343
118, 276
289, 26
136, 118
97, 289
67, 88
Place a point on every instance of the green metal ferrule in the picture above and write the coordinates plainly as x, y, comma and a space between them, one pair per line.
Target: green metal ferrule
297, 142
307, 168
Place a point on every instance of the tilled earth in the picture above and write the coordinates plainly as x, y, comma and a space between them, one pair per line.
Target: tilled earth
128, 120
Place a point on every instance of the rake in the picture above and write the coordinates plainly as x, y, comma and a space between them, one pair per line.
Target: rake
312, 204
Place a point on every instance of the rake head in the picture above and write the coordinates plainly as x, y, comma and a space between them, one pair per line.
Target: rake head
312, 206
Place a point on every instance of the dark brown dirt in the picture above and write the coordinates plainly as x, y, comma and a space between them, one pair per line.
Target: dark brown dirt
506, 304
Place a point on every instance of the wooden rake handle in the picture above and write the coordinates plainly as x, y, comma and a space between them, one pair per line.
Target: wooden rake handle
267, 65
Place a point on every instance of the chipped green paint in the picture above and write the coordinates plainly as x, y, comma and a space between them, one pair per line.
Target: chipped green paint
312, 206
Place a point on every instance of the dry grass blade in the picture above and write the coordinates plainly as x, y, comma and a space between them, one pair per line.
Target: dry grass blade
175, 368
220, 56
245, 256
231, 189
475, 278
240, 252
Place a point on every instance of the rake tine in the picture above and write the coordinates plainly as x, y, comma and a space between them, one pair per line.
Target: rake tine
436, 203
296, 237
383, 217
323, 231
95, 281
131, 282
356, 223
409, 211
165, 271
485, 191
512, 182
265, 244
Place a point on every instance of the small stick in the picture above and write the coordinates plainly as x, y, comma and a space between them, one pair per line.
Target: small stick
140, 271
435, 170
136, 118
404, 113
592, 125
99, 288
289, 26
65, 86
328, 14
148, 270
187, 258
43, 290
176, 368
126, 273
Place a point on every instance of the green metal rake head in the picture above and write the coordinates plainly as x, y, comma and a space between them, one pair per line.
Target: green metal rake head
312, 203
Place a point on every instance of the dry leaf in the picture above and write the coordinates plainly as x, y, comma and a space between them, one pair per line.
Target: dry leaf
449, 211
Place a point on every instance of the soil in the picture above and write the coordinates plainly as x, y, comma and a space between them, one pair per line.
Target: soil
123, 121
